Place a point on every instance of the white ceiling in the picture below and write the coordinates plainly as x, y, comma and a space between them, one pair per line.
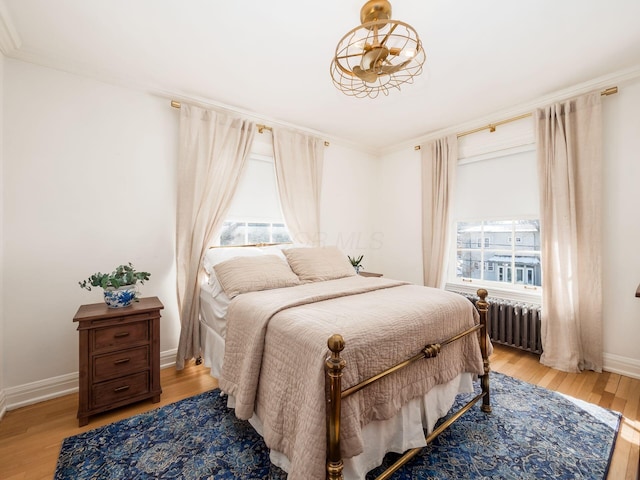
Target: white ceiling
272, 57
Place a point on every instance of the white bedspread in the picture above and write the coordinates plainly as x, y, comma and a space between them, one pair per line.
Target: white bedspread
279, 371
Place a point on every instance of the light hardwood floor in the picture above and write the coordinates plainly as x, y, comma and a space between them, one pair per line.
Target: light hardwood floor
30, 437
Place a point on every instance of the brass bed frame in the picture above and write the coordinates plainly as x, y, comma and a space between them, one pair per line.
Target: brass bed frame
333, 374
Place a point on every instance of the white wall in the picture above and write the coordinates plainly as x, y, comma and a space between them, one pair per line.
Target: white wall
399, 215
621, 125
89, 183
399, 177
347, 211
2, 381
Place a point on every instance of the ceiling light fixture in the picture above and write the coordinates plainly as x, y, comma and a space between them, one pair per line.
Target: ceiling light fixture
377, 56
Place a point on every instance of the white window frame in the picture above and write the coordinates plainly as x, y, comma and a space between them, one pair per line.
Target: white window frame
246, 224
516, 291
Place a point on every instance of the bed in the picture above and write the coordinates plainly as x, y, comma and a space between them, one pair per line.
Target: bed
284, 329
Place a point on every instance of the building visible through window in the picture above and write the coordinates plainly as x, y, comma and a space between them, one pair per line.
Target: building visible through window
509, 250
247, 233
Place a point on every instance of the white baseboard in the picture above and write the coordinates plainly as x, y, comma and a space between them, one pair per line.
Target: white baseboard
3, 404
168, 358
628, 367
34, 392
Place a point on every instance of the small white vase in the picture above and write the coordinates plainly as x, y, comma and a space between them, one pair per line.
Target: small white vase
120, 297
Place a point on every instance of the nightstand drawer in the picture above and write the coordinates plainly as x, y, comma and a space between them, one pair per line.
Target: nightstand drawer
120, 335
112, 392
120, 363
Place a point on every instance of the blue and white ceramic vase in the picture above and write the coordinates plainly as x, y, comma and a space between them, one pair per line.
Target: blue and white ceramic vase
120, 297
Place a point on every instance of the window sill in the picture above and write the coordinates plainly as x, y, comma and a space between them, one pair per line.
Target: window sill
534, 297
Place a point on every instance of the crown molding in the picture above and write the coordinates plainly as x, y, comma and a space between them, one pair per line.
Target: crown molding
613, 79
10, 40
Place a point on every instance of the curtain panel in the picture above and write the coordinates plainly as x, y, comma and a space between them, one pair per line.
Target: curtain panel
298, 161
439, 162
569, 142
213, 150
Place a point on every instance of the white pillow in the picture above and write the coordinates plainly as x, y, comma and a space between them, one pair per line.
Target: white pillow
220, 254
275, 250
252, 274
318, 264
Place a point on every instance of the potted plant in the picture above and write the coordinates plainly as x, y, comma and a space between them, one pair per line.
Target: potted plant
120, 286
356, 262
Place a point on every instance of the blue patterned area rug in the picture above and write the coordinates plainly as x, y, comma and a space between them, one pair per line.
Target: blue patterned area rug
532, 433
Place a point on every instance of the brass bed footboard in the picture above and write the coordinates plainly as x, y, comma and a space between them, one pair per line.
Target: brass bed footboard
335, 364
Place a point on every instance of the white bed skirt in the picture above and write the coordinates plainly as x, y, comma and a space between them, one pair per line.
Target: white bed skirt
398, 434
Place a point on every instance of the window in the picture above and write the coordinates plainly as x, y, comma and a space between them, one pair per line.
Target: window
255, 215
496, 210
503, 256
245, 233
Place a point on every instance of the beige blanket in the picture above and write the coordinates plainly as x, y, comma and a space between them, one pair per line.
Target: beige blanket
276, 346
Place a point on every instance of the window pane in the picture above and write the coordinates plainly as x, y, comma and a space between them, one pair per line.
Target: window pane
258, 233
470, 235
279, 233
233, 233
469, 264
531, 265
499, 233
498, 262
527, 235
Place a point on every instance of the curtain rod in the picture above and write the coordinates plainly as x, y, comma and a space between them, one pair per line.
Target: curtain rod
492, 126
261, 128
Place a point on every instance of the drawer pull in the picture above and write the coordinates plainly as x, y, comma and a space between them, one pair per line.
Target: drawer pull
121, 389
121, 334
121, 361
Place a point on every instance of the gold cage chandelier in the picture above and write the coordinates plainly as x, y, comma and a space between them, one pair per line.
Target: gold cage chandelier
377, 56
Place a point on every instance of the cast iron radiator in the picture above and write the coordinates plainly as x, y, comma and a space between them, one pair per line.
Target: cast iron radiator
513, 323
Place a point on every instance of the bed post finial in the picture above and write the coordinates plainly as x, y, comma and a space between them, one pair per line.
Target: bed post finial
335, 343
333, 368
483, 309
482, 293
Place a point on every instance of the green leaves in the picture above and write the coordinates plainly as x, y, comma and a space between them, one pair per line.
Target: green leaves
355, 261
122, 275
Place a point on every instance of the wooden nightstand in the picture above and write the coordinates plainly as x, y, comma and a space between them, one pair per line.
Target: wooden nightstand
119, 355
369, 274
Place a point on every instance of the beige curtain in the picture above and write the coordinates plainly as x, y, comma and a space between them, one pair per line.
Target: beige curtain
213, 151
570, 169
298, 160
439, 161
